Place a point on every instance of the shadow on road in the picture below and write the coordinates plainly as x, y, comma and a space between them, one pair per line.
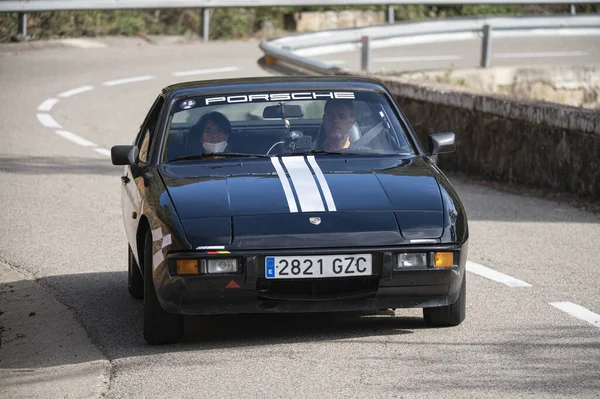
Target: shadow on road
36, 165
114, 321
540, 359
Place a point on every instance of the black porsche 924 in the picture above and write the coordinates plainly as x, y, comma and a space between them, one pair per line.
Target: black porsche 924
299, 194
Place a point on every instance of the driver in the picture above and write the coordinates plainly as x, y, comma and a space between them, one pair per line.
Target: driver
215, 129
338, 119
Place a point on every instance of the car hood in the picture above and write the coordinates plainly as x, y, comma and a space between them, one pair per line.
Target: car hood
350, 194
254, 187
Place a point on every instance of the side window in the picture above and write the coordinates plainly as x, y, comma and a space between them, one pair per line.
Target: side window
148, 128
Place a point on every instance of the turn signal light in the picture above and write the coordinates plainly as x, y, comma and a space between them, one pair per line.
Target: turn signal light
443, 259
187, 266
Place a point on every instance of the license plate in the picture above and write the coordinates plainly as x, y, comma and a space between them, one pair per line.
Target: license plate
318, 266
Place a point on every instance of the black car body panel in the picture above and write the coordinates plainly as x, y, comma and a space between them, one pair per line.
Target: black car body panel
237, 208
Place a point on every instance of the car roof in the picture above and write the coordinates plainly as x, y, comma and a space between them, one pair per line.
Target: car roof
273, 83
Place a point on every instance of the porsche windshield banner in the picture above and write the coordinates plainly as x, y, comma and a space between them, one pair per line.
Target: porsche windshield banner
259, 97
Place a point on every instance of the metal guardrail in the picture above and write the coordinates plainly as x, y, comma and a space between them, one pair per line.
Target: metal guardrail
283, 49
24, 6
56, 5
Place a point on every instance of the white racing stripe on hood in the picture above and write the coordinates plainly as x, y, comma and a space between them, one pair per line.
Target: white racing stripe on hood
304, 184
289, 195
323, 183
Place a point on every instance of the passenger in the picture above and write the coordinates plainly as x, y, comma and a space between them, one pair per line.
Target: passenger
215, 129
338, 119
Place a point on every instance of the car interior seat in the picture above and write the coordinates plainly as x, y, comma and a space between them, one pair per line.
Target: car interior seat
184, 142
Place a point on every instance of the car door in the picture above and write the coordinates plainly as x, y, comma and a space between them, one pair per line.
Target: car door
133, 187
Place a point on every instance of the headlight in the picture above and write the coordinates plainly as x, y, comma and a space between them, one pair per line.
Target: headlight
411, 259
216, 266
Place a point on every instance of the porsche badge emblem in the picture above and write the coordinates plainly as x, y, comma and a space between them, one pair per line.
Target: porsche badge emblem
315, 221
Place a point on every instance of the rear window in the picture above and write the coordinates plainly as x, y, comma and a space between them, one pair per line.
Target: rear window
283, 123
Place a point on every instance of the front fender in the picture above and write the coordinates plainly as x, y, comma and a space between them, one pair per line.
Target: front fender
166, 228
456, 226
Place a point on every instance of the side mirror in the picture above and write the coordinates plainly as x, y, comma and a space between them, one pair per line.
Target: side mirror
440, 143
124, 154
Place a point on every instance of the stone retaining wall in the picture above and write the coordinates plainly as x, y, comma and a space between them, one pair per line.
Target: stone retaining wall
536, 143
325, 20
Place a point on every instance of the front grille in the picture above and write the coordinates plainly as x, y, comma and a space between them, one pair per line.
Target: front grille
318, 289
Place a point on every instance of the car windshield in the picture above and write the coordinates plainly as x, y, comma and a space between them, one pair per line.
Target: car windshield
283, 123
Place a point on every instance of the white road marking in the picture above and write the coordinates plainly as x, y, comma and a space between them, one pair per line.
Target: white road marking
323, 183
206, 71
304, 184
419, 58
579, 312
75, 138
211, 247
128, 80
541, 54
77, 90
48, 121
546, 32
328, 49
47, 105
102, 151
492, 274
289, 195
82, 43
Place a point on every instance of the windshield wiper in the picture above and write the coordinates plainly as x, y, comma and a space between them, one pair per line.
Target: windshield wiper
219, 155
338, 152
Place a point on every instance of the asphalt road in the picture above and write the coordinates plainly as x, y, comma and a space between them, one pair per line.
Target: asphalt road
61, 224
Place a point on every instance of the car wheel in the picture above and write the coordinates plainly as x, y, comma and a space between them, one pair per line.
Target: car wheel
160, 326
451, 315
135, 281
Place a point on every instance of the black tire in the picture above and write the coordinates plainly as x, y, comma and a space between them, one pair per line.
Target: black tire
160, 327
451, 315
135, 280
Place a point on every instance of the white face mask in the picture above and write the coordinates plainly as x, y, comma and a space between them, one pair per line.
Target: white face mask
215, 147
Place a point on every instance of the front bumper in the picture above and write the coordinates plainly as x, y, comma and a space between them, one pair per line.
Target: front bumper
251, 292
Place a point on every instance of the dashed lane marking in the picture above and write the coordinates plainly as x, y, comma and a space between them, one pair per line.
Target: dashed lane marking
102, 151
335, 62
206, 71
75, 138
578, 312
47, 105
541, 55
82, 43
494, 275
419, 58
128, 80
48, 121
77, 90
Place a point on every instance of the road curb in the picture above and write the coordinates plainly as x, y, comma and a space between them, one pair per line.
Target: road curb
45, 352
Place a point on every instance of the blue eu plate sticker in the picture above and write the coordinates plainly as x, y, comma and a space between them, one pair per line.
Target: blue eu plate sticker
270, 267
